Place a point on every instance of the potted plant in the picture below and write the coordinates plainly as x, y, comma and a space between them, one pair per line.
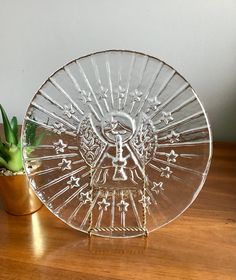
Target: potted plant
15, 192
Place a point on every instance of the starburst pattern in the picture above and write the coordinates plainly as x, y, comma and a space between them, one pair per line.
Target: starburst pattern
65, 164
154, 103
157, 187
58, 128
166, 172
123, 205
85, 197
145, 200
116, 113
59, 146
166, 117
103, 93
68, 110
136, 95
173, 137
171, 157
86, 96
73, 182
121, 92
103, 204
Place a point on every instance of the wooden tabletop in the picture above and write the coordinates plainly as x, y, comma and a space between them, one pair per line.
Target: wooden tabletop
201, 244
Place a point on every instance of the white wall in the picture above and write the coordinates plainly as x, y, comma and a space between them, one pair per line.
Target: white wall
197, 37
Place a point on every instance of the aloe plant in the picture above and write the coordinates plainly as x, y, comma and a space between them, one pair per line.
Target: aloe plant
10, 149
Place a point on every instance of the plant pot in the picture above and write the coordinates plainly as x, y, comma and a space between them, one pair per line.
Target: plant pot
17, 196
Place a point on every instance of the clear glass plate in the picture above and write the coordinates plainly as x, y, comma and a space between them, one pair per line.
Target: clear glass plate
126, 144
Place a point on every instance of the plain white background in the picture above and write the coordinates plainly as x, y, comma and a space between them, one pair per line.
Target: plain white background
197, 37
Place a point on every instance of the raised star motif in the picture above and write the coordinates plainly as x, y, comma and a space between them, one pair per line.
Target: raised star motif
86, 96
173, 137
68, 110
73, 182
145, 200
59, 146
103, 204
166, 117
136, 95
172, 156
58, 128
103, 93
154, 103
65, 164
85, 197
123, 205
165, 172
157, 187
121, 92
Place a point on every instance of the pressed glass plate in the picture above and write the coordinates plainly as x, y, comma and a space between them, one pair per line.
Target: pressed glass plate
126, 144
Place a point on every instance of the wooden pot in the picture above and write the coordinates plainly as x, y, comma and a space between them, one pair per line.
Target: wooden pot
17, 196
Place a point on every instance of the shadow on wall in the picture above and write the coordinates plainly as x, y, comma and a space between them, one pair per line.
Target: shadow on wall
223, 117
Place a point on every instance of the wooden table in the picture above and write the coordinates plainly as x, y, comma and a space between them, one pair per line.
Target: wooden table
201, 244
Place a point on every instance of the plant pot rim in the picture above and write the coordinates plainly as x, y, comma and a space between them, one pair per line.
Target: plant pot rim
7, 172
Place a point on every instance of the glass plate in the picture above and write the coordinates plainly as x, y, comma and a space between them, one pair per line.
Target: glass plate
126, 144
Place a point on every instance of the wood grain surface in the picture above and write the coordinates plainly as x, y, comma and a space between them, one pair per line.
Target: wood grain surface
201, 244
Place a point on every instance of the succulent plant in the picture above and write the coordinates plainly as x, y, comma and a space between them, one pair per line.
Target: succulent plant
10, 149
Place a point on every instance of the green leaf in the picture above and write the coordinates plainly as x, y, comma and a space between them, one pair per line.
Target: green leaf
39, 139
30, 133
1, 144
3, 163
9, 135
14, 126
15, 162
4, 153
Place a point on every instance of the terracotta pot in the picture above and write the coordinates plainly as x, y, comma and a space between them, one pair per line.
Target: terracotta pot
17, 196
